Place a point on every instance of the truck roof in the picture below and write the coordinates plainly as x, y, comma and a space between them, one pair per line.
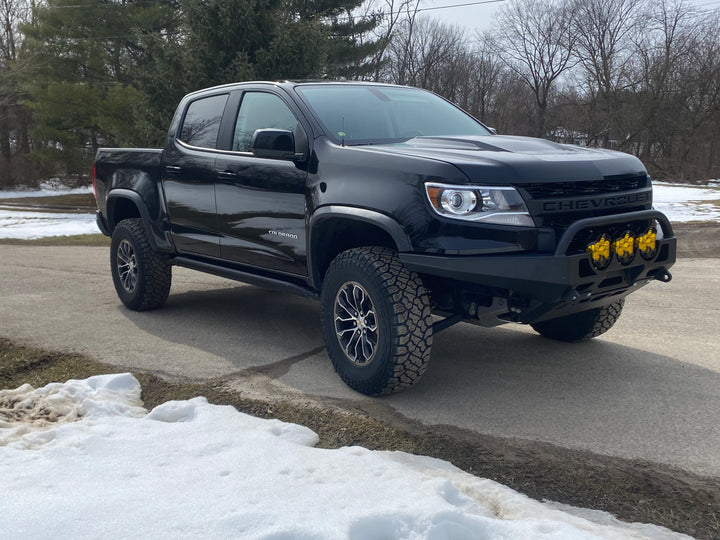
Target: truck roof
290, 83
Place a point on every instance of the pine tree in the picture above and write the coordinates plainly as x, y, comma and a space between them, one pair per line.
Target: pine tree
81, 73
235, 40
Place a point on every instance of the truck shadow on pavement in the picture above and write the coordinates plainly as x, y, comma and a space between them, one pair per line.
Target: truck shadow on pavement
505, 381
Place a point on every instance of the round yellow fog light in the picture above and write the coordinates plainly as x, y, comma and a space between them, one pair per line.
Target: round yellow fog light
624, 248
599, 251
647, 244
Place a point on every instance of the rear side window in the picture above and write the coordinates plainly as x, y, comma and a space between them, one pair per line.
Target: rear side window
202, 121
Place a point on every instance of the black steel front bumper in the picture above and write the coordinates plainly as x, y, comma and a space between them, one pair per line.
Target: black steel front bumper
546, 285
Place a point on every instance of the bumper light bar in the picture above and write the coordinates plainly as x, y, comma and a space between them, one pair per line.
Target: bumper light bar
624, 248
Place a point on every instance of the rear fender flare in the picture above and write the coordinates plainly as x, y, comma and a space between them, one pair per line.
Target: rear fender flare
158, 238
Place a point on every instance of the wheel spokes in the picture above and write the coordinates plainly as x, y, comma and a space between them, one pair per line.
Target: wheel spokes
356, 323
127, 266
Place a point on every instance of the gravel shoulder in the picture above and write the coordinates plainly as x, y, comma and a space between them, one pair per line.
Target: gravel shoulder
698, 240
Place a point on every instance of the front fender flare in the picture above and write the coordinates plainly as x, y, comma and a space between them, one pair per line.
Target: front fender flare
385, 222
382, 221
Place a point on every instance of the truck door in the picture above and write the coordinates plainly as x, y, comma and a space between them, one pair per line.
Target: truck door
189, 179
261, 201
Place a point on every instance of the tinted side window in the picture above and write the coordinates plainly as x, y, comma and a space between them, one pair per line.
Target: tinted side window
202, 121
259, 110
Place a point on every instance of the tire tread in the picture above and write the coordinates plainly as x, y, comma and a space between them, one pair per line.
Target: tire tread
581, 326
155, 276
411, 324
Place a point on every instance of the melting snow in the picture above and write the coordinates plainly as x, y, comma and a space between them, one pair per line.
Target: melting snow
29, 225
683, 203
84, 460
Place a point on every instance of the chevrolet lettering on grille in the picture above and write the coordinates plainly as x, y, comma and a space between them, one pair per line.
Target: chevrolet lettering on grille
569, 205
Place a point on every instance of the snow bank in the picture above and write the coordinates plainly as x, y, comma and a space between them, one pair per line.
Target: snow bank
26, 410
25, 224
30, 225
683, 203
47, 189
189, 469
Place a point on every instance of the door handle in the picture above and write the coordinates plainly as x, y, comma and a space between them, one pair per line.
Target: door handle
227, 175
172, 169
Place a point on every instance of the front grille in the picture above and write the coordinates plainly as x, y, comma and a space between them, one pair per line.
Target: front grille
559, 204
609, 185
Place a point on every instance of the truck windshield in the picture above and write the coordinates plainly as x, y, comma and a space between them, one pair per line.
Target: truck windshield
385, 114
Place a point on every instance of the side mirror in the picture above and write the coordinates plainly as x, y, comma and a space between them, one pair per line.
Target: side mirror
274, 144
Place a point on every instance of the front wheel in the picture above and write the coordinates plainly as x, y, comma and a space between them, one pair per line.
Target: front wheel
141, 275
583, 325
376, 321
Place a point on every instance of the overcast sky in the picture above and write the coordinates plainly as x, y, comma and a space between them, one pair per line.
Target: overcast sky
480, 15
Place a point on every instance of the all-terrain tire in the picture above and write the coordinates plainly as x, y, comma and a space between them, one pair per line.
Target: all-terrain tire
583, 325
142, 276
376, 321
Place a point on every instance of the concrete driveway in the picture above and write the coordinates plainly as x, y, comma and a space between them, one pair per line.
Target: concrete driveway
649, 389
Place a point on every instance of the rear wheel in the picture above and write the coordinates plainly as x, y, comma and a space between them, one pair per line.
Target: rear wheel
583, 325
376, 321
142, 276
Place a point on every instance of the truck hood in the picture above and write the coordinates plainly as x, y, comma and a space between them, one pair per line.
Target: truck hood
508, 159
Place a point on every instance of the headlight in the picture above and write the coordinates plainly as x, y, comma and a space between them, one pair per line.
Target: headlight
500, 205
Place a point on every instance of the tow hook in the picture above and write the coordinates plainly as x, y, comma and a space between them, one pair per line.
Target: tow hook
663, 275
571, 296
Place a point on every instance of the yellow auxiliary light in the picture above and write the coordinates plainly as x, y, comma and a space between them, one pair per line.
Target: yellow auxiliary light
625, 248
647, 244
600, 252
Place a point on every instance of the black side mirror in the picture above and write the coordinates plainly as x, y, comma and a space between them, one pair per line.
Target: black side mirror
274, 144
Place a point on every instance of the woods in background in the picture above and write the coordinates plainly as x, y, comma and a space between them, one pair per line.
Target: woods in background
638, 76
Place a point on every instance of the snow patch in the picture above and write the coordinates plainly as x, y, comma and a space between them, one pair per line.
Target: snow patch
684, 203
190, 469
31, 225
47, 189
27, 410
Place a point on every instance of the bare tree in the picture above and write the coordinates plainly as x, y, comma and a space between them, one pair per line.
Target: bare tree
535, 40
485, 76
394, 15
513, 106
421, 49
665, 46
605, 31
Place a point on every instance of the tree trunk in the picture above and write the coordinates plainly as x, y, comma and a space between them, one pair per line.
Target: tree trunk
5, 150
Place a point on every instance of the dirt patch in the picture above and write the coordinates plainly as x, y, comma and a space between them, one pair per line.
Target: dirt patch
632, 490
79, 202
21, 407
698, 240
72, 240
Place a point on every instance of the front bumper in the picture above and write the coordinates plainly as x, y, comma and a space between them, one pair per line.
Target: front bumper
540, 286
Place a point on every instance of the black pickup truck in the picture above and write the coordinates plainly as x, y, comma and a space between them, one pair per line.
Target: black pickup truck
401, 213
